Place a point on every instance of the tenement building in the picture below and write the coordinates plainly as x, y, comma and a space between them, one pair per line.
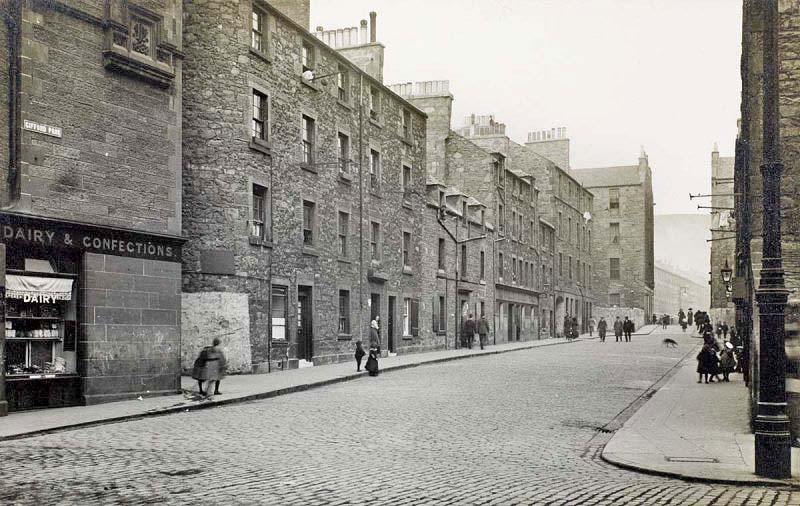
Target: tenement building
675, 290
723, 237
749, 208
304, 192
91, 197
503, 195
623, 244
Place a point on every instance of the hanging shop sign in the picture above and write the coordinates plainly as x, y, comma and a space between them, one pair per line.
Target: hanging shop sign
40, 128
21, 229
38, 289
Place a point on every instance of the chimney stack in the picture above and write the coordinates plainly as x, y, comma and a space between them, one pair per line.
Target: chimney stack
373, 28
363, 32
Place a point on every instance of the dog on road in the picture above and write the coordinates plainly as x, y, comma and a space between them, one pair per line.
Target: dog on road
668, 342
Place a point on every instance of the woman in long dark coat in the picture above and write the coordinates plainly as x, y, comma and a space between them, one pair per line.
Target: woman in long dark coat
374, 349
706, 363
210, 366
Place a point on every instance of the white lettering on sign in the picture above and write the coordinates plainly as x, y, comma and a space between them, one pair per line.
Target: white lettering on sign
32, 126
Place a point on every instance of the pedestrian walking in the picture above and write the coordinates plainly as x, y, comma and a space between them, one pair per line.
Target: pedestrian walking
705, 364
468, 332
601, 329
483, 330
725, 330
689, 317
681, 316
592, 324
210, 366
359, 355
627, 329
575, 330
698, 319
719, 330
567, 325
374, 349
618, 329
727, 361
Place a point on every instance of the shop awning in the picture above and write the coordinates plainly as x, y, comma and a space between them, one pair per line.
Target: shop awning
38, 289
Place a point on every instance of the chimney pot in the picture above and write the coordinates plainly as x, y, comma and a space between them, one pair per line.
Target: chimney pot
373, 28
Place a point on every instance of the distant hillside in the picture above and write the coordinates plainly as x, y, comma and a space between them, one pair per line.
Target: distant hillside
680, 240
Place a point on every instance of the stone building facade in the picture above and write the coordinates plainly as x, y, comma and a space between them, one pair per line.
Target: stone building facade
723, 236
748, 182
304, 194
623, 244
675, 290
91, 200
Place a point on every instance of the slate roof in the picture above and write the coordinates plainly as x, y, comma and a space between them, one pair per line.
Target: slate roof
623, 175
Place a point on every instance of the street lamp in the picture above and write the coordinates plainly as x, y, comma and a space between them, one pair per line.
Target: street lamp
726, 272
773, 456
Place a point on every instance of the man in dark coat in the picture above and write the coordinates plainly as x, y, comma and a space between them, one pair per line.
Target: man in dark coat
567, 325
483, 330
374, 349
210, 366
690, 317
627, 329
601, 329
618, 329
468, 331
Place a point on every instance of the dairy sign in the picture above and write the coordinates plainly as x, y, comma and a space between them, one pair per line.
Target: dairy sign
24, 230
50, 130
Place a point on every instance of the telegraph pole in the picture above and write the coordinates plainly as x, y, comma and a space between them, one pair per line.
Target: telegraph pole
772, 437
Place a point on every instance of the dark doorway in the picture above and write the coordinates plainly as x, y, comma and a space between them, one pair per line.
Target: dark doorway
390, 323
511, 323
375, 312
305, 324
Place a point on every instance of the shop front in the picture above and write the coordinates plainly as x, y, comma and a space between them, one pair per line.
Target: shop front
91, 314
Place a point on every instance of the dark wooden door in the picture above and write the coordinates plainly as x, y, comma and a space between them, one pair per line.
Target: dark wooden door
305, 324
390, 324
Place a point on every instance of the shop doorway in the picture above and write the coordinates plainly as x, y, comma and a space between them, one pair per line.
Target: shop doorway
390, 323
305, 324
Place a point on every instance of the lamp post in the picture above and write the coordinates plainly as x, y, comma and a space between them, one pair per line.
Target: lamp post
772, 436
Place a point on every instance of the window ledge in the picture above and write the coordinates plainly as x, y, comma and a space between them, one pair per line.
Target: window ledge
344, 104
310, 84
345, 177
310, 251
441, 332
310, 168
482, 282
344, 337
407, 141
260, 55
440, 272
260, 145
407, 338
375, 193
260, 241
344, 260
377, 123
120, 59
408, 270
407, 204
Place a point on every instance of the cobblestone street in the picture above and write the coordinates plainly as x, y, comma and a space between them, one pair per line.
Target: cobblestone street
519, 428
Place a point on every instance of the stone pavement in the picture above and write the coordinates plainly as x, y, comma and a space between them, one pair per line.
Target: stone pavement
235, 388
693, 431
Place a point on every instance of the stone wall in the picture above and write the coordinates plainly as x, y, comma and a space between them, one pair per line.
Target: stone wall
556, 150
5, 101
209, 315
118, 159
129, 340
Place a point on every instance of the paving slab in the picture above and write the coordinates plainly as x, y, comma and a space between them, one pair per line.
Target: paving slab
697, 432
235, 389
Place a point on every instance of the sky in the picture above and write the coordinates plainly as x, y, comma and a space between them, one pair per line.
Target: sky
619, 74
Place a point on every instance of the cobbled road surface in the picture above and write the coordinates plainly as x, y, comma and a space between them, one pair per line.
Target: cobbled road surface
518, 428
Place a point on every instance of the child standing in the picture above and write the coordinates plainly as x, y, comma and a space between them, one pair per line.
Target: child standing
359, 355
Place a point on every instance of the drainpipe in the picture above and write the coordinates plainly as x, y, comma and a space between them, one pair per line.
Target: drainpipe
14, 85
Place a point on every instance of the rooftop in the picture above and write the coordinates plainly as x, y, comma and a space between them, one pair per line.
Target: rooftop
623, 175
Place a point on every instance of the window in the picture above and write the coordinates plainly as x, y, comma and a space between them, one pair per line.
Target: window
483, 266
278, 310
260, 116
258, 228
442, 254
344, 227
308, 140
569, 230
344, 153
343, 83
374, 169
500, 218
375, 240
374, 103
570, 267
613, 200
578, 235
463, 261
307, 56
439, 313
513, 270
560, 225
532, 233
406, 124
308, 223
464, 214
406, 179
613, 299
410, 317
613, 268
344, 311
407, 249
500, 265
257, 31
561, 264
613, 232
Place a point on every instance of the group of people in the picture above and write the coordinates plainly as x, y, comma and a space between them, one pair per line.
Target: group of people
571, 327
470, 328
374, 349
623, 329
714, 359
